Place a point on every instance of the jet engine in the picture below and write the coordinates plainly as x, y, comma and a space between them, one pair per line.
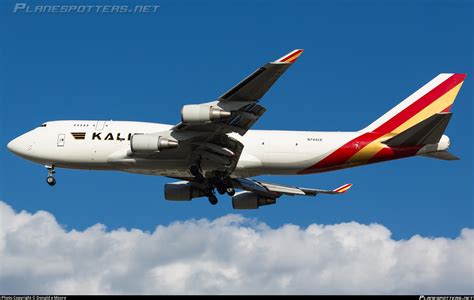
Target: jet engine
181, 191
148, 143
250, 200
199, 113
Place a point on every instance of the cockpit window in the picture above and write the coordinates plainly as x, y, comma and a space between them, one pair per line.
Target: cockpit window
43, 125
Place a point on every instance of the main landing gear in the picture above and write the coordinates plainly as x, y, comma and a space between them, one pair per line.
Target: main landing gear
229, 189
196, 172
225, 186
221, 183
221, 189
222, 186
50, 179
209, 191
212, 199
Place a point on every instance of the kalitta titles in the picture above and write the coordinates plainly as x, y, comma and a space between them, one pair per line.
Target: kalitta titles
102, 136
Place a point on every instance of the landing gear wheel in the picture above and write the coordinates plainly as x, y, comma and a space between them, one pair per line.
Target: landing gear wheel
221, 189
212, 199
50, 180
226, 182
230, 191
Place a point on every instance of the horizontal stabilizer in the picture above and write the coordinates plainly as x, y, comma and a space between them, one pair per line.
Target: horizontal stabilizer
444, 155
428, 131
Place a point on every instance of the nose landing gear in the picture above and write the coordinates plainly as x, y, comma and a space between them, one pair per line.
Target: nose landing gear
50, 179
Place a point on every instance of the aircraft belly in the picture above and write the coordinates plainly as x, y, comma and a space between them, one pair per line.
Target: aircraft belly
285, 162
159, 172
164, 167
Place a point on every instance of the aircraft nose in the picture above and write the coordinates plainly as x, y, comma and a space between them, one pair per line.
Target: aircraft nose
19, 146
14, 146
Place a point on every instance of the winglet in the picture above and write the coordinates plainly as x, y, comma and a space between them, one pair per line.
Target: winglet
343, 189
290, 57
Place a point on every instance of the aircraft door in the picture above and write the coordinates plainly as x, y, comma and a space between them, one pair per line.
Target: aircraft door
61, 139
100, 125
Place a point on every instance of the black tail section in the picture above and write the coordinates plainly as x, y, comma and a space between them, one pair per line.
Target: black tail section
426, 132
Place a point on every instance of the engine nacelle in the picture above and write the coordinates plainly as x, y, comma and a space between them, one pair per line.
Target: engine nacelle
181, 191
249, 200
199, 113
148, 143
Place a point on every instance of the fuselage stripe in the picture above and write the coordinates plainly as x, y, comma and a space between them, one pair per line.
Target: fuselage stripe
421, 103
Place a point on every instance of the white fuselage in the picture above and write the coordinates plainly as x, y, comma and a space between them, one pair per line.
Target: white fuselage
105, 145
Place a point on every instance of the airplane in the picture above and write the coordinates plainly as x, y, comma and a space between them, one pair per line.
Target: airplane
213, 149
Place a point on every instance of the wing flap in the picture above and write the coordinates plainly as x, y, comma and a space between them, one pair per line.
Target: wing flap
281, 189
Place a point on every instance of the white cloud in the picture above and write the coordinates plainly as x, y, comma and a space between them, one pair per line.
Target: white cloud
229, 255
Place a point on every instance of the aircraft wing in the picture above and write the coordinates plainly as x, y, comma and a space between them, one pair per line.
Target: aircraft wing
276, 190
236, 110
241, 100
252, 88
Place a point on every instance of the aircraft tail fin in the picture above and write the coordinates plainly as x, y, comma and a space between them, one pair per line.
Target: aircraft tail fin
437, 96
428, 131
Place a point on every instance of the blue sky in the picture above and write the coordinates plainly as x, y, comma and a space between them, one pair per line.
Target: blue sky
361, 58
